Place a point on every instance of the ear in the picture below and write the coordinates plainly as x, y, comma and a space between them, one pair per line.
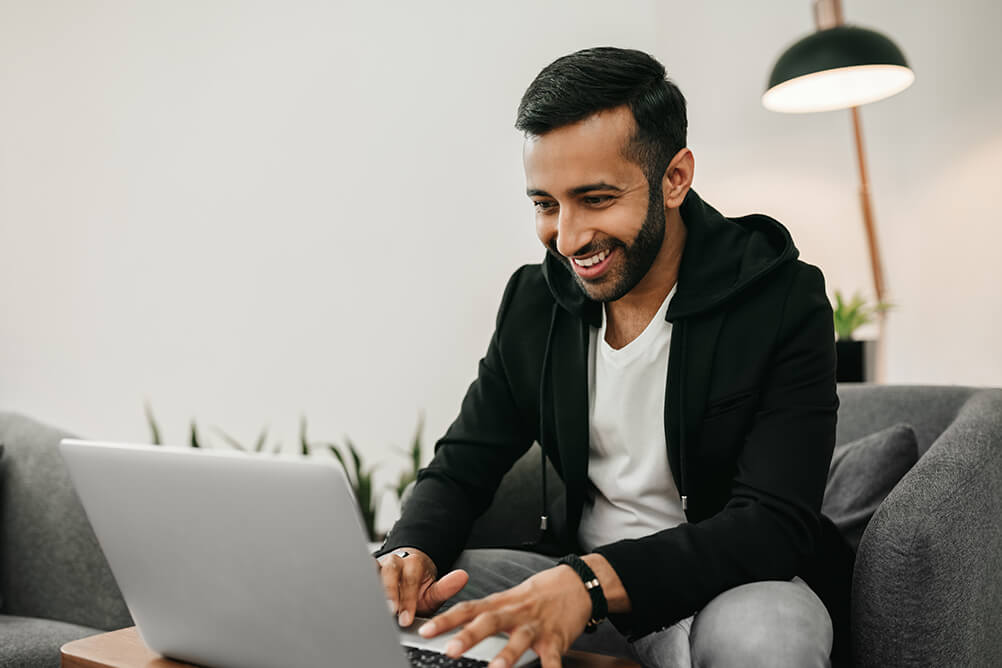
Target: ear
677, 178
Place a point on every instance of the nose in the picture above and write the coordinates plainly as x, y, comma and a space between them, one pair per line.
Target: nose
572, 234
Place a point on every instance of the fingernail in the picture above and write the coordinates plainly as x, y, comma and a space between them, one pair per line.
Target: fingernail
405, 618
427, 629
454, 648
392, 606
498, 662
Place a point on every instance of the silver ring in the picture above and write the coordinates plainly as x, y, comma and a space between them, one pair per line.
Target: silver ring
401, 553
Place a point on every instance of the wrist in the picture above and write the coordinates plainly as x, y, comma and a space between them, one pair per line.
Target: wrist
616, 597
598, 608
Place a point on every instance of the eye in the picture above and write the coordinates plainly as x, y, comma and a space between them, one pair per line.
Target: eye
543, 205
596, 200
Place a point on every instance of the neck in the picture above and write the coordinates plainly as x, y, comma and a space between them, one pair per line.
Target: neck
630, 314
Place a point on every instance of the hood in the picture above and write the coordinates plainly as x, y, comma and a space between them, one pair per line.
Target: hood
722, 258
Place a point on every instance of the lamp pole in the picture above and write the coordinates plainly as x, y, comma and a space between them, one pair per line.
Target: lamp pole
828, 14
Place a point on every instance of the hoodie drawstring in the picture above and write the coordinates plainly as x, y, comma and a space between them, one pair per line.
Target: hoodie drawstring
544, 519
681, 413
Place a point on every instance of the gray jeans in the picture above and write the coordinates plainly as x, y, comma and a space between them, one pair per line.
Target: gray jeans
770, 623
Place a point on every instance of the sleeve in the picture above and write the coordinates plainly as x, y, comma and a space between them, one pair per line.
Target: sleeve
480, 446
771, 522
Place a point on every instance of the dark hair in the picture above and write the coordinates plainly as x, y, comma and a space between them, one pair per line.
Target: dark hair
578, 85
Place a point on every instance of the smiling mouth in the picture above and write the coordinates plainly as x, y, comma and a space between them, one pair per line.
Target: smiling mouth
592, 267
591, 260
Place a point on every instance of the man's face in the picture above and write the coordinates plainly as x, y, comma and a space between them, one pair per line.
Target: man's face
594, 209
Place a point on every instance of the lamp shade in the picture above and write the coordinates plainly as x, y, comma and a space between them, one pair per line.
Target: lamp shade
840, 67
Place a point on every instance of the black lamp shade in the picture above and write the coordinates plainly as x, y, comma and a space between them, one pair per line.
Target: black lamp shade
837, 68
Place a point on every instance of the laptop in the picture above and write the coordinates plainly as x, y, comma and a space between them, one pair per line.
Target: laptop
230, 559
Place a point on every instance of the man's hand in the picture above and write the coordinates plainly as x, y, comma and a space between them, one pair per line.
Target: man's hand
547, 612
410, 585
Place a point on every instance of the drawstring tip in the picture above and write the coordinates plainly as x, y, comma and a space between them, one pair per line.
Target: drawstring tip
685, 503
543, 522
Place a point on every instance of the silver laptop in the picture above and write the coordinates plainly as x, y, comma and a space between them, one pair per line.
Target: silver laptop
243, 560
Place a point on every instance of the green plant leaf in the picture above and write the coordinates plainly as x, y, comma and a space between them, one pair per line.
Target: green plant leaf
303, 442
416, 444
361, 484
848, 317
366, 503
154, 427
406, 478
365, 490
354, 455
259, 446
337, 453
194, 435
229, 439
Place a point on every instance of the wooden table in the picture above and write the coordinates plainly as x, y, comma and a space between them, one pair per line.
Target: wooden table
125, 649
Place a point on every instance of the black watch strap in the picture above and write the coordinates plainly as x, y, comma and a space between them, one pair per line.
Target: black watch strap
599, 606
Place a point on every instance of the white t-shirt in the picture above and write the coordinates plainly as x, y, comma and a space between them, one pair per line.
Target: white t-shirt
631, 492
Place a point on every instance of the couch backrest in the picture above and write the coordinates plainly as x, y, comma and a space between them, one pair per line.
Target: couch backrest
51, 565
867, 408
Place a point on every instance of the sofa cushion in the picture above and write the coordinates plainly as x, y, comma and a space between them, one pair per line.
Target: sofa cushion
51, 565
29, 642
863, 473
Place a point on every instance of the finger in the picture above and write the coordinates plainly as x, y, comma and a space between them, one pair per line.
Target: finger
518, 642
389, 573
412, 575
549, 652
451, 618
549, 656
484, 625
442, 590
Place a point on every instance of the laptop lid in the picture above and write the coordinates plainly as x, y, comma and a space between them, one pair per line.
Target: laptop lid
234, 559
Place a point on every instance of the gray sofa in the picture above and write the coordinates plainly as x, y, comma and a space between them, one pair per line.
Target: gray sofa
927, 588
55, 585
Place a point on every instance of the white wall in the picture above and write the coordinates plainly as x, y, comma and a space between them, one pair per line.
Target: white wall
247, 211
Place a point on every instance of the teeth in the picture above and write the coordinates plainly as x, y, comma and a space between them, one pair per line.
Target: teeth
594, 259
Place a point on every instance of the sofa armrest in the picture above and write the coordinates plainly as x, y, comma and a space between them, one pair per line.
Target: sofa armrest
926, 587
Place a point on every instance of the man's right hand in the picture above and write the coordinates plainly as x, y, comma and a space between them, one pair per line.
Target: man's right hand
410, 584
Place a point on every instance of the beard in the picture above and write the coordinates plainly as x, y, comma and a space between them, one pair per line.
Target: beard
637, 256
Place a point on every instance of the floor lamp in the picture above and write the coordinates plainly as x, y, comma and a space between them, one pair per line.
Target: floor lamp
842, 67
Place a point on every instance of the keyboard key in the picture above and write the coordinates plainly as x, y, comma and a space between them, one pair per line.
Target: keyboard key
426, 658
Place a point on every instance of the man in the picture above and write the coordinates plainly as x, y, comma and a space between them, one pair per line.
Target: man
678, 369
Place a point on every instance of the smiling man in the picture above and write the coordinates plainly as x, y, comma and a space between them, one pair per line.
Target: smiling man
678, 369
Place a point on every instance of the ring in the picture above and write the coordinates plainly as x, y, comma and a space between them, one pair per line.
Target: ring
401, 553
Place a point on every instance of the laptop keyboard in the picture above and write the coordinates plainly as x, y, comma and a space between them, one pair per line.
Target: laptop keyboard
426, 658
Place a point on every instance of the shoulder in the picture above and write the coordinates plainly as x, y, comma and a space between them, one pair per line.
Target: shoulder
795, 283
526, 296
806, 289
776, 307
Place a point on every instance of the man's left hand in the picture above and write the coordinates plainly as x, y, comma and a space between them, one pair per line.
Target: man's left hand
547, 612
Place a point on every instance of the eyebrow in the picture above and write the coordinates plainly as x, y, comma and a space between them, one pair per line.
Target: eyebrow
579, 190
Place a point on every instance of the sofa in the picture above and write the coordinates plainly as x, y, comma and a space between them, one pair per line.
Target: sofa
927, 587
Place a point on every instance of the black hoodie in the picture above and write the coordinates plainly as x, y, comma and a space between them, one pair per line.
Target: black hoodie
749, 421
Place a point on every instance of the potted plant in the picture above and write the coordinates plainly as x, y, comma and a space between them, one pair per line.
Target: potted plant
855, 357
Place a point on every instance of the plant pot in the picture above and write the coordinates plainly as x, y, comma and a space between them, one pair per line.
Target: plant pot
856, 361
